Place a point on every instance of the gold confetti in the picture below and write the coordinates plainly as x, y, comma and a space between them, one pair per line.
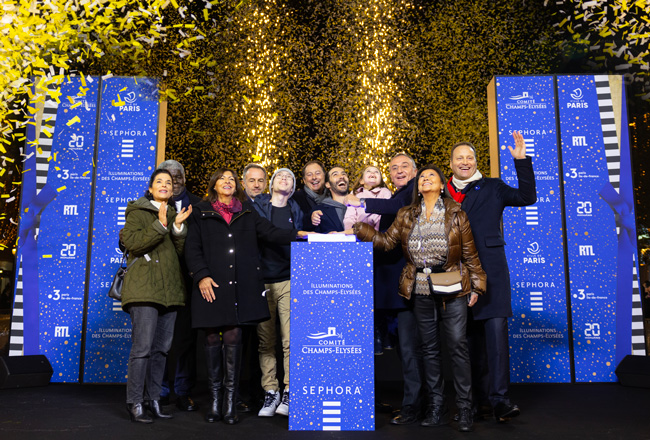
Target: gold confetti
73, 121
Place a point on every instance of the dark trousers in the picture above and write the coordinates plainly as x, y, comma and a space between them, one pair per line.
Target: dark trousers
429, 312
490, 360
183, 354
410, 350
151, 338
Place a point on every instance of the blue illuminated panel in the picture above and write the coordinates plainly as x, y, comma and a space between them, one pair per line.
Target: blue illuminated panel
539, 337
332, 358
126, 158
63, 237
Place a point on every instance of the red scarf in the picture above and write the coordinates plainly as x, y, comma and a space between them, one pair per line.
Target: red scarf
456, 195
226, 211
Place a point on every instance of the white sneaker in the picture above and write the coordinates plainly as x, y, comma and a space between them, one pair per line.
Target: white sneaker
271, 402
283, 407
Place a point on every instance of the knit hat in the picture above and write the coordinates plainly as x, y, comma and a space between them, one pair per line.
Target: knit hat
293, 176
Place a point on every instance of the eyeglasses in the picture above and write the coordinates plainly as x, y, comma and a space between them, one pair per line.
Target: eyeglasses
284, 176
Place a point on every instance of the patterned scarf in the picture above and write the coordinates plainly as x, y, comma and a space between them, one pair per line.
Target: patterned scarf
227, 211
428, 243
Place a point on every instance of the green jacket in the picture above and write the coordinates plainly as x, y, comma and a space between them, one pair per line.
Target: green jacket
156, 276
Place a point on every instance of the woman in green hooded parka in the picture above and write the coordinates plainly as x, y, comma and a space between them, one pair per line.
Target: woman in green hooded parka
153, 288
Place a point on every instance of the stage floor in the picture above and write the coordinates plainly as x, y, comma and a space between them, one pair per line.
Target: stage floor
551, 411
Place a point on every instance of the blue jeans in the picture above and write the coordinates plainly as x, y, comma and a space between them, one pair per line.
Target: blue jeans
151, 338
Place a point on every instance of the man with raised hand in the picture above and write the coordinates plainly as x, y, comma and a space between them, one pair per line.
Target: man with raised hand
484, 199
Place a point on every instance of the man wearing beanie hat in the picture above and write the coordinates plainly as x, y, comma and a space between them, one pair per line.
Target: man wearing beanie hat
283, 212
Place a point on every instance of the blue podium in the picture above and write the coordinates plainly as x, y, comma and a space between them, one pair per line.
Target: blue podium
332, 359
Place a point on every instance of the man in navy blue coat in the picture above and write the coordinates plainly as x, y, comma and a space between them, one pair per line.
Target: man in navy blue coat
387, 269
484, 199
328, 216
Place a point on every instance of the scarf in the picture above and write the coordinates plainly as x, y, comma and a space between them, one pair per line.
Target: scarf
227, 211
340, 207
184, 199
461, 184
456, 186
318, 198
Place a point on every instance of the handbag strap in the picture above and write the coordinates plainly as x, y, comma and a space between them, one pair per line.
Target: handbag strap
124, 258
129, 266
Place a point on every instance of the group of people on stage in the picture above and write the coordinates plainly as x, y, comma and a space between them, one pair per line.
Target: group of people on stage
222, 264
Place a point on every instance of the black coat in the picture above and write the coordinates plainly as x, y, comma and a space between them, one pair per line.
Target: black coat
388, 265
229, 254
306, 204
186, 275
484, 203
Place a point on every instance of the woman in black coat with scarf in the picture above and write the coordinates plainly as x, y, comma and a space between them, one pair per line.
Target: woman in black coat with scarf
222, 256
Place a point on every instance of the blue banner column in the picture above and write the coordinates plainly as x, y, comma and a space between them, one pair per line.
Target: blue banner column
332, 358
63, 238
126, 157
600, 262
539, 333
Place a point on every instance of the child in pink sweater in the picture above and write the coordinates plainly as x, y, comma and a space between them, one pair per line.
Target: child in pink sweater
369, 186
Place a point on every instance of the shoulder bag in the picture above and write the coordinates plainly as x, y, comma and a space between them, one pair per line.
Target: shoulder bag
115, 291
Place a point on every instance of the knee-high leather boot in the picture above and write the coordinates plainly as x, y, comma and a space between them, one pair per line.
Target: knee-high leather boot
231, 382
214, 360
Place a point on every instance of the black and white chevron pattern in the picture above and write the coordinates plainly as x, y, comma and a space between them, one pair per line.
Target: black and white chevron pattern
638, 333
613, 154
16, 334
43, 153
608, 124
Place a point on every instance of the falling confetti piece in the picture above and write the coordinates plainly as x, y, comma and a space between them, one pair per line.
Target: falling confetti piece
73, 121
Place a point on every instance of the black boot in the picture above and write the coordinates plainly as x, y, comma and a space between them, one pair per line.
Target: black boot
214, 360
156, 410
137, 413
231, 382
465, 420
437, 415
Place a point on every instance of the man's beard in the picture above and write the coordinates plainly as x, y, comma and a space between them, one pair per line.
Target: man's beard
338, 192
